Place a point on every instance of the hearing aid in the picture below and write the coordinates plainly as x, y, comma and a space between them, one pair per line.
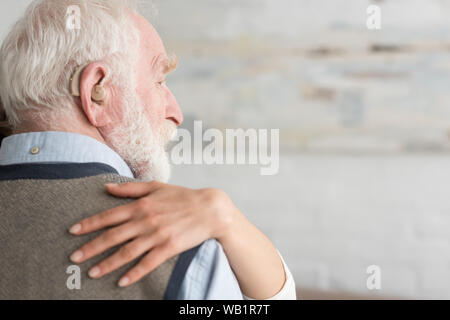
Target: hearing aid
98, 93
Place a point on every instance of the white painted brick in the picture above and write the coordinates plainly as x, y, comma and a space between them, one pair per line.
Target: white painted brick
332, 216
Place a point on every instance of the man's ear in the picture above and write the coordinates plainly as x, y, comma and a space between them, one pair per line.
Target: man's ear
92, 76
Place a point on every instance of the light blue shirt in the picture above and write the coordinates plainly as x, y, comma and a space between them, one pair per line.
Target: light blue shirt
209, 276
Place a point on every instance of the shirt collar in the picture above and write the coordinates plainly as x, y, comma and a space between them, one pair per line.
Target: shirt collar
58, 147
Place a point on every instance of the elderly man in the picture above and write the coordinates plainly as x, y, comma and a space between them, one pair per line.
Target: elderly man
89, 107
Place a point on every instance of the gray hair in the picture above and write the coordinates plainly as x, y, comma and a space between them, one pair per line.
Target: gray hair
39, 55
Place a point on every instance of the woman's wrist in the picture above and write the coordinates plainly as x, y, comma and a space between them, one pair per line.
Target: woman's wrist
228, 220
231, 228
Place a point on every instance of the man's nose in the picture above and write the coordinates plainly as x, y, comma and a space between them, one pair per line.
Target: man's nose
173, 110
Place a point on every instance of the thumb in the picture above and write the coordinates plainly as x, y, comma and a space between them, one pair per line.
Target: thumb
132, 189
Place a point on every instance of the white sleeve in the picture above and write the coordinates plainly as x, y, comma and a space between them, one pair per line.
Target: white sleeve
288, 290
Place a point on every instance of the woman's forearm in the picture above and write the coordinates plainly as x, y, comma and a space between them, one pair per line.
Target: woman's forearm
253, 258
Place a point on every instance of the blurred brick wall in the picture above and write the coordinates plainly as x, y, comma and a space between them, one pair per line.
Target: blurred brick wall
313, 69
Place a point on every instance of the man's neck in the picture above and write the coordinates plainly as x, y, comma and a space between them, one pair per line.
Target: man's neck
73, 125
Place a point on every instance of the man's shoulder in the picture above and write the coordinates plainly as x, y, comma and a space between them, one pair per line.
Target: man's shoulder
37, 213
54, 171
72, 183
202, 272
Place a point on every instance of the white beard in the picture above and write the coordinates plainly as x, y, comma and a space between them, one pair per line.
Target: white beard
135, 141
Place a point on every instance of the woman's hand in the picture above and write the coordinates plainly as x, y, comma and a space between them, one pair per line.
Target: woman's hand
167, 220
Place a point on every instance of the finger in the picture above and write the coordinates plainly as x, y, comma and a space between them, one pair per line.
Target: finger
132, 189
107, 240
104, 219
148, 263
124, 255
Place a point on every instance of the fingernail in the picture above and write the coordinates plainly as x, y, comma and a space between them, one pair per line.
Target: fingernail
75, 229
76, 256
124, 281
111, 184
95, 271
